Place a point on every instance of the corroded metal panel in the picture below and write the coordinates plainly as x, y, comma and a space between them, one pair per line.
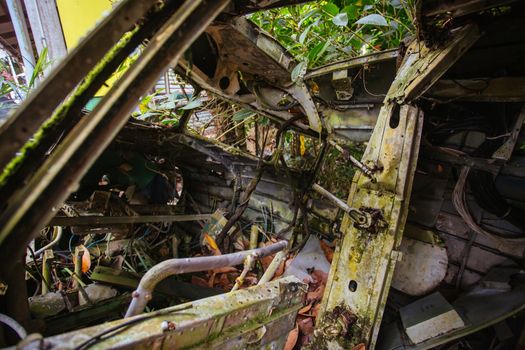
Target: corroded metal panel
259, 317
364, 261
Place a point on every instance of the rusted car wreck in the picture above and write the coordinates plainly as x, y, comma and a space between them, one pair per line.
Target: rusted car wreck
429, 246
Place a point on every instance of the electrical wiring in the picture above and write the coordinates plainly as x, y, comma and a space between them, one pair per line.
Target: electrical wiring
110, 332
459, 201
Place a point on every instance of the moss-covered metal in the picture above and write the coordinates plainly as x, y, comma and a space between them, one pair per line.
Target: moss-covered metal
253, 318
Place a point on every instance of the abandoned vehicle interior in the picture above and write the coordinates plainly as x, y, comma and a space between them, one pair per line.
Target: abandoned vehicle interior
374, 202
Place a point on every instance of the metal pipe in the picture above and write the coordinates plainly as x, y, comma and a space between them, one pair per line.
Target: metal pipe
274, 265
360, 217
57, 232
171, 267
13, 325
16, 12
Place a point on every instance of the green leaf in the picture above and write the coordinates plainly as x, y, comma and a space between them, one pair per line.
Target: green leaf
194, 103
341, 19
331, 9
320, 50
299, 71
144, 103
167, 105
40, 66
242, 114
308, 15
351, 11
303, 35
170, 122
147, 115
373, 19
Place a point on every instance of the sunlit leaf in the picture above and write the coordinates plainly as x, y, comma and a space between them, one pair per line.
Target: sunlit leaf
306, 16
194, 103
299, 71
341, 19
303, 35
331, 9
373, 19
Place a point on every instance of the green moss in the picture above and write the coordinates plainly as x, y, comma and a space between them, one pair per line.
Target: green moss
59, 115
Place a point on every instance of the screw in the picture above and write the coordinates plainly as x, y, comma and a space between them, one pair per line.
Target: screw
167, 326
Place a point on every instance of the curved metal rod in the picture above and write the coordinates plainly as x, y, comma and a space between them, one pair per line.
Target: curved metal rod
171, 267
56, 230
20, 331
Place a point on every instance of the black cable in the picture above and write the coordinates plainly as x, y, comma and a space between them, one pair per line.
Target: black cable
110, 332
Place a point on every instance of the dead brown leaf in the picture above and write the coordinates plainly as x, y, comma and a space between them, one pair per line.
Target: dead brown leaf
292, 339
360, 346
305, 309
327, 250
306, 325
315, 310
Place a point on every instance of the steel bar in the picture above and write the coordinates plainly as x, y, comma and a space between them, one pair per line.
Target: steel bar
40, 104
354, 213
171, 267
359, 165
106, 220
259, 317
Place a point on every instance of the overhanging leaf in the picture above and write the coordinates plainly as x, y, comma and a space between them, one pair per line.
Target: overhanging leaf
299, 71
303, 35
341, 19
194, 103
373, 19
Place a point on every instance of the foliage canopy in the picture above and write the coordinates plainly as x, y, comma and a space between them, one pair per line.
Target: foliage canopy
321, 32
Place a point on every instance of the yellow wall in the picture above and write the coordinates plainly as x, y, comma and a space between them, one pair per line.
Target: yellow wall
78, 17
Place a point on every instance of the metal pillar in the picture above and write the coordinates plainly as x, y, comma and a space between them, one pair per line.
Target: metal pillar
46, 29
16, 11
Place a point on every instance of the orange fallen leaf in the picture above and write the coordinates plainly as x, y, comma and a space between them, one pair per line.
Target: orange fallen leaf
306, 325
360, 346
212, 244
266, 261
292, 338
315, 295
327, 250
305, 309
279, 271
315, 310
